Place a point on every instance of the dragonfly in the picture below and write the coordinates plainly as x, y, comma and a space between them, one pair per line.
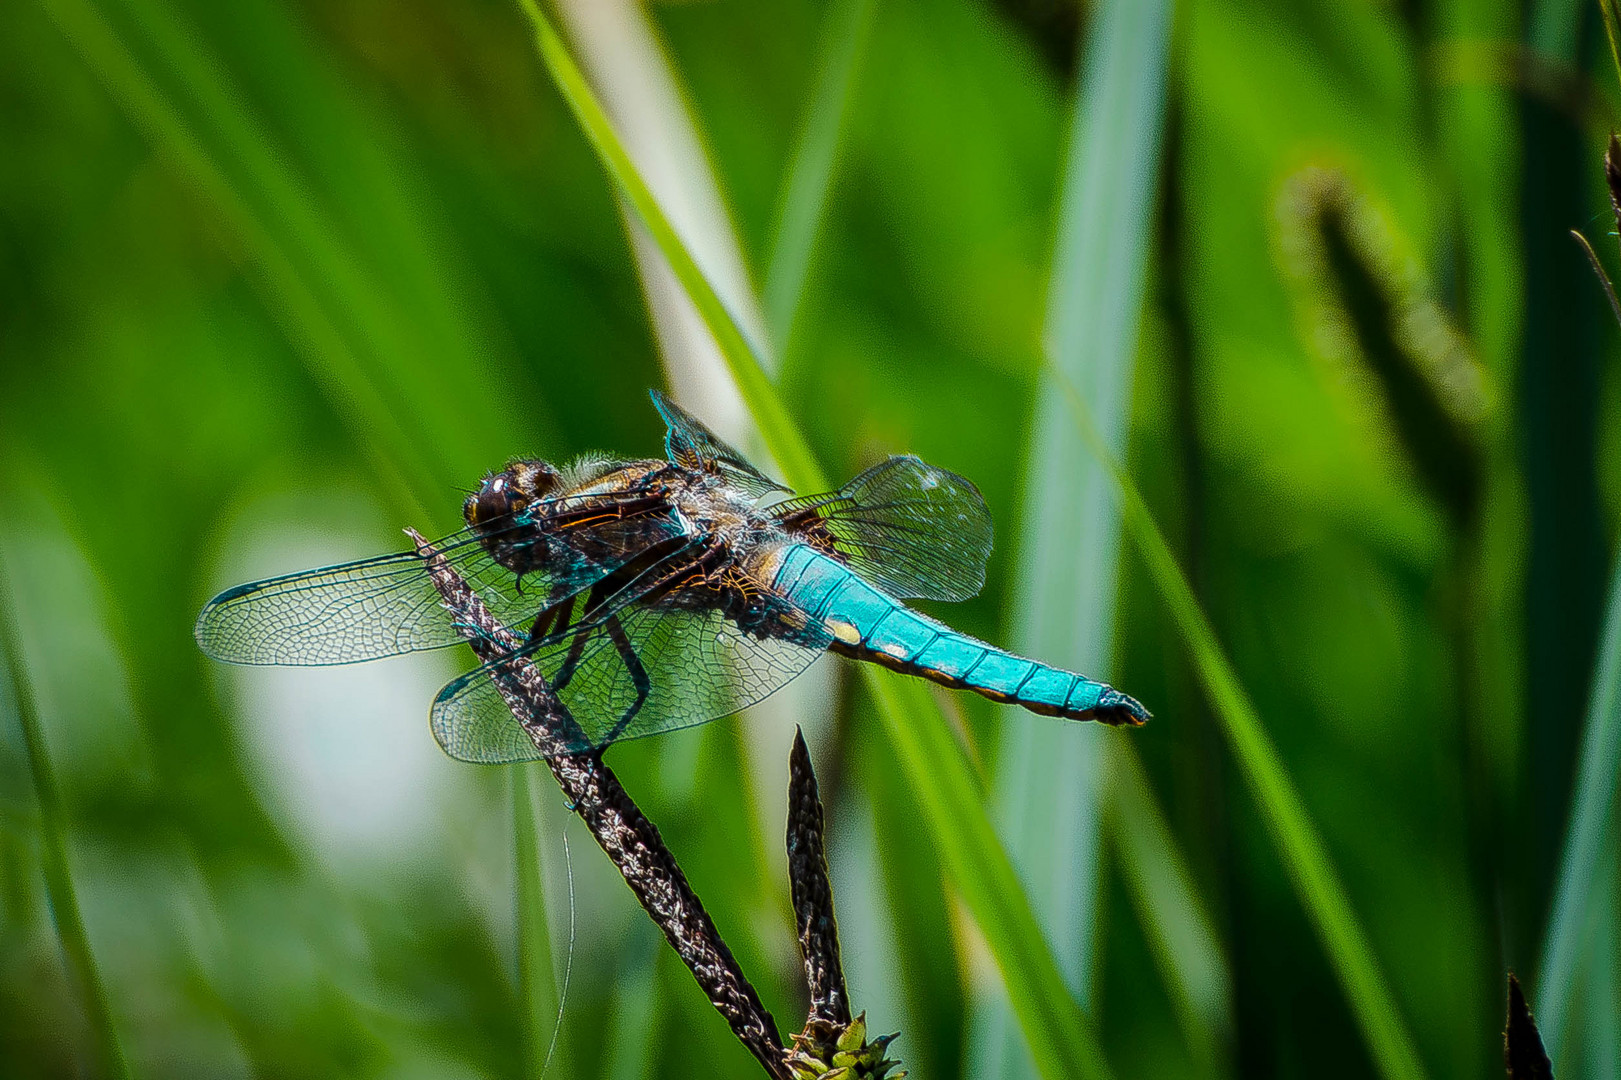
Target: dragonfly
659, 594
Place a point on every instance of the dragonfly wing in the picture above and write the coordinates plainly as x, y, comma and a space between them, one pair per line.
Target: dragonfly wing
910, 528
385, 606
483, 730
634, 672
690, 444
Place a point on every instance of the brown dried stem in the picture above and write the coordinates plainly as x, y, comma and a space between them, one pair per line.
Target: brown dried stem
813, 893
624, 833
1523, 1055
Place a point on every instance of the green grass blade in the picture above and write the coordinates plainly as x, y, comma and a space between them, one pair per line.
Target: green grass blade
1179, 931
1060, 1038
1302, 850
1588, 842
810, 171
537, 976
81, 962
353, 333
291, 294
1065, 603
1049, 775
1583, 915
618, 47
782, 438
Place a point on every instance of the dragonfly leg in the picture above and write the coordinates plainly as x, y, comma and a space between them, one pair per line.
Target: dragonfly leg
557, 615
599, 594
638, 676
576, 650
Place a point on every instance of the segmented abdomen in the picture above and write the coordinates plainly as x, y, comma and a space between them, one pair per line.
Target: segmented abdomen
869, 625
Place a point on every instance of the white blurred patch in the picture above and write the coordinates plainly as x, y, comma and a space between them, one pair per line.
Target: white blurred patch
342, 755
347, 752
78, 676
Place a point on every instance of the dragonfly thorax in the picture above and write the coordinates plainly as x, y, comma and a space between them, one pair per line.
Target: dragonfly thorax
707, 505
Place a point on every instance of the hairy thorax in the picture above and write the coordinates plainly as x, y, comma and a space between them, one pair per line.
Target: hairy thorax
705, 505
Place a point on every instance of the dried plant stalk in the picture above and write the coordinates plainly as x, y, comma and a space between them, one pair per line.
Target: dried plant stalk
813, 892
623, 832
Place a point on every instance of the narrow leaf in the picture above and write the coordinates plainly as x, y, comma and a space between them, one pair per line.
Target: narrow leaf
1608, 9
1598, 268
1583, 904
810, 171
537, 978
630, 71
70, 931
1589, 839
1060, 1039
1178, 929
783, 439
1291, 828
1049, 775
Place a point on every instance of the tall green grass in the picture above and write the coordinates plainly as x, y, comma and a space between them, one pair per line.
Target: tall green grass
1058, 1036
1052, 777
70, 931
620, 50
1558, 427
1180, 933
1291, 828
334, 305
803, 202
377, 343
1580, 966
1583, 915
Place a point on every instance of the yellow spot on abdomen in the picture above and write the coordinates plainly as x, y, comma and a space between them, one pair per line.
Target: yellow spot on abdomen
843, 631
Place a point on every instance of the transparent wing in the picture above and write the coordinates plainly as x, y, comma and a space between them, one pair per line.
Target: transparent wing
910, 528
688, 443
635, 672
385, 606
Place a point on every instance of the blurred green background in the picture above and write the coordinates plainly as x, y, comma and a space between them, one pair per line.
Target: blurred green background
276, 279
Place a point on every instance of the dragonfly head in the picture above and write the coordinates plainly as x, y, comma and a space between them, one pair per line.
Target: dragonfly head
510, 491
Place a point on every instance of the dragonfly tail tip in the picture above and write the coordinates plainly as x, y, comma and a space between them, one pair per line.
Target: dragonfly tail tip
1119, 710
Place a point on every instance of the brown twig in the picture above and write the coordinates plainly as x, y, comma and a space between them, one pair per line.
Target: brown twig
1523, 1055
624, 833
813, 892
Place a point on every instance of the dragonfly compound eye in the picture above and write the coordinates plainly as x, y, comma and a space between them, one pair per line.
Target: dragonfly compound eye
510, 491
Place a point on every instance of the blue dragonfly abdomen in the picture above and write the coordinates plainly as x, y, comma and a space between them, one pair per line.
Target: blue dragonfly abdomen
868, 624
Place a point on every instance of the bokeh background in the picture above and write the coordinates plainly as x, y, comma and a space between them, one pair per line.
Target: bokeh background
277, 279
